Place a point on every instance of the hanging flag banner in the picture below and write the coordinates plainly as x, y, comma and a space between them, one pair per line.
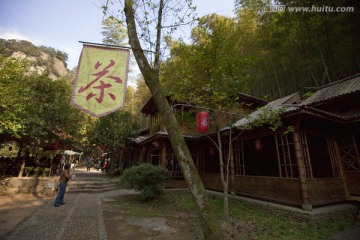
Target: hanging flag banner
100, 81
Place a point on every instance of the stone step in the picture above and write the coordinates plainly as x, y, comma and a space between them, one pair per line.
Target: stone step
92, 183
90, 190
92, 187
100, 179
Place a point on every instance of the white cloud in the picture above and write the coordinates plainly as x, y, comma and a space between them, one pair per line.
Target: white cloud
12, 33
73, 50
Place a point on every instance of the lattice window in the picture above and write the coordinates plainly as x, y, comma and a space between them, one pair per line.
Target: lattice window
172, 164
239, 166
155, 159
348, 153
306, 155
333, 158
286, 156
225, 155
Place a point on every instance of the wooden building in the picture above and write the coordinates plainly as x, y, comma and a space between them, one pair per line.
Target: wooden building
316, 163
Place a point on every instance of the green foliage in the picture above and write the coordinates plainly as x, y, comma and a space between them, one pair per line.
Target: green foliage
300, 48
45, 172
187, 118
113, 129
34, 105
38, 171
265, 116
263, 53
114, 32
208, 71
146, 178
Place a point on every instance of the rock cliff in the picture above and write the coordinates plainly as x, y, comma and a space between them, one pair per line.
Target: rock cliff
42, 59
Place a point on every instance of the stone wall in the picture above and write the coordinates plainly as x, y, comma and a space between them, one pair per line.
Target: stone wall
38, 185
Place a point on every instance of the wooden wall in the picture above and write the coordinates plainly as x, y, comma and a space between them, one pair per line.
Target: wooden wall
353, 182
325, 191
269, 188
287, 191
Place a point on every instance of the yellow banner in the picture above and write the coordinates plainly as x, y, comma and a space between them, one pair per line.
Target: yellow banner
100, 81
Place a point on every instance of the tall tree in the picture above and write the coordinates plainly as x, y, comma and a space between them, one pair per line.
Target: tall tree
35, 106
301, 48
208, 72
114, 32
112, 130
154, 16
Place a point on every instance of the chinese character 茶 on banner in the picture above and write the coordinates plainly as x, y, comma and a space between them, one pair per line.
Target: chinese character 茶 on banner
100, 81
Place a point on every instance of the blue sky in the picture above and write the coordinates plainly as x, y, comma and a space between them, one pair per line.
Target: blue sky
61, 24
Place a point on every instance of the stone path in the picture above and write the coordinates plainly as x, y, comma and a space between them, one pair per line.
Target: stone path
80, 218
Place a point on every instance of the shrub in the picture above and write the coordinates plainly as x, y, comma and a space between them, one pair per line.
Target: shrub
45, 172
146, 178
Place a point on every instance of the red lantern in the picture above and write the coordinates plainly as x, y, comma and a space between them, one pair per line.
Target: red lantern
156, 144
203, 122
258, 145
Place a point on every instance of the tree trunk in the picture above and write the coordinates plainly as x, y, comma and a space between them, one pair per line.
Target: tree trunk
23, 161
209, 224
225, 182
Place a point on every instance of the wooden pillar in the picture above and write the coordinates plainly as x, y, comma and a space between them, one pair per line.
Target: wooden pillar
232, 168
302, 173
163, 154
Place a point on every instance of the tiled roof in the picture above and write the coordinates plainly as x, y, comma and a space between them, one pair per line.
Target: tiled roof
252, 99
281, 104
334, 89
291, 103
142, 139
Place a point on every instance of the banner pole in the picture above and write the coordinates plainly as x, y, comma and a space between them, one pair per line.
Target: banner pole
114, 46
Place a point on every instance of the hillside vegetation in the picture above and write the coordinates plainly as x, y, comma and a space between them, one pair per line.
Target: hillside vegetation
42, 59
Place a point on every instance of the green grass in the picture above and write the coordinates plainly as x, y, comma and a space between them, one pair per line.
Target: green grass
247, 222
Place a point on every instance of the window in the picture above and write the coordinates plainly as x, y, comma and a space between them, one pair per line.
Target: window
239, 158
286, 156
321, 164
260, 157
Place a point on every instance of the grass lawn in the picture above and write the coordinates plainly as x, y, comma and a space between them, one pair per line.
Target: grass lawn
247, 222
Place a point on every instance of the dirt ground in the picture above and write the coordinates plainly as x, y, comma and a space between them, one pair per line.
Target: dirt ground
14, 208
124, 223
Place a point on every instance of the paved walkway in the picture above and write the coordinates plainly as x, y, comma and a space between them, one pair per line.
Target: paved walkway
80, 218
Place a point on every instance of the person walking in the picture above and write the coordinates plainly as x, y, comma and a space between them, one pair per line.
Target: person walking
64, 178
88, 163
